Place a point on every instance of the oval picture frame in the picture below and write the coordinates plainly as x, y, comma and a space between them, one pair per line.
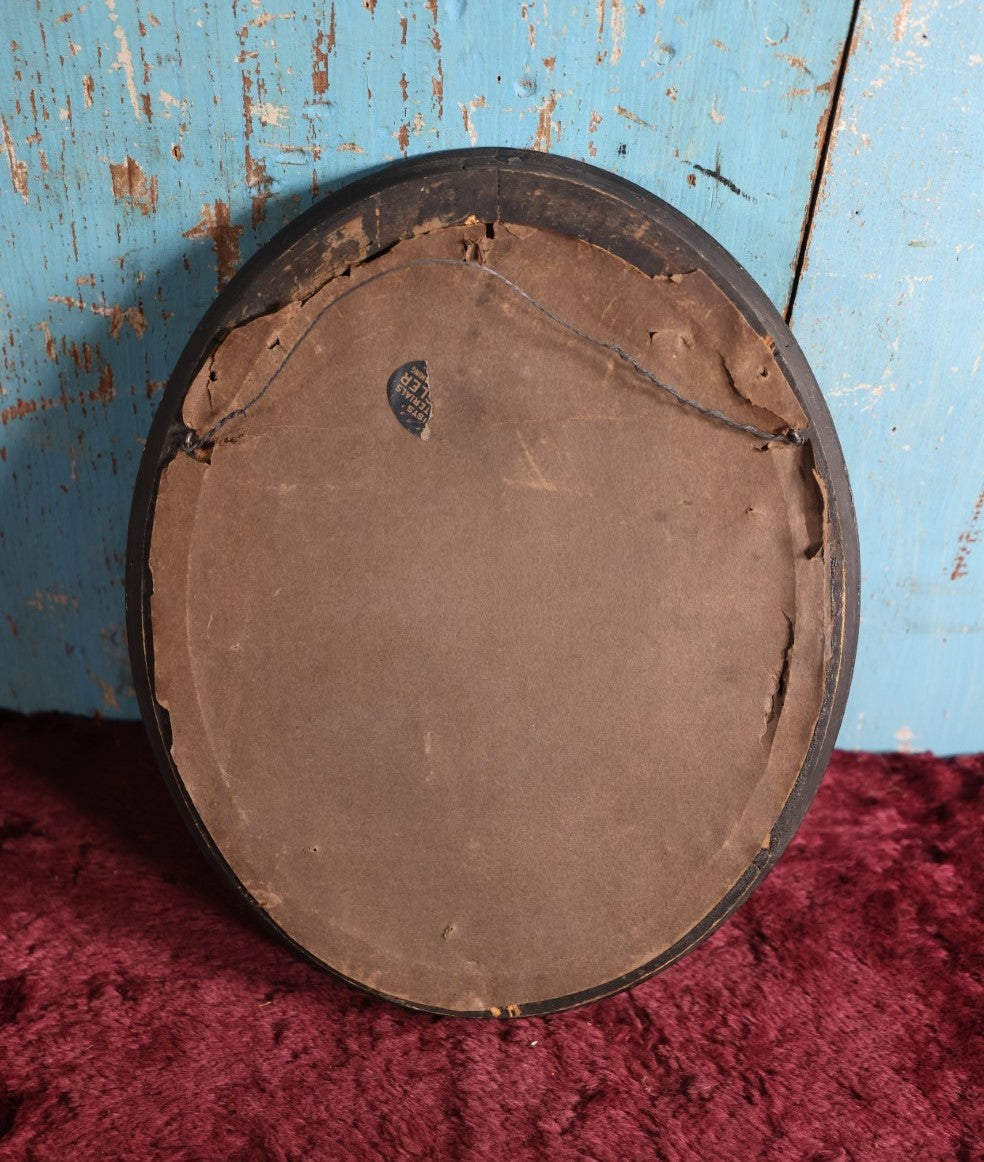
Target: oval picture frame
544, 192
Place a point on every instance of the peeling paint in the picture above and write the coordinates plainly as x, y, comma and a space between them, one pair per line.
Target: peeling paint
618, 31
49, 343
216, 225
901, 20
468, 124
633, 117
124, 61
118, 316
322, 48
795, 62
593, 124
437, 88
18, 169
130, 185
269, 114
108, 690
258, 179
970, 536
466, 117
616, 24
904, 736
18, 410
264, 19
106, 387
547, 130
437, 79
52, 599
169, 101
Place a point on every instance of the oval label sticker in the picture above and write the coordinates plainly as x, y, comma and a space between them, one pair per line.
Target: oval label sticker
409, 397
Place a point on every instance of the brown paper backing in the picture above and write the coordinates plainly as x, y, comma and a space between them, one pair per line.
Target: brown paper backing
498, 715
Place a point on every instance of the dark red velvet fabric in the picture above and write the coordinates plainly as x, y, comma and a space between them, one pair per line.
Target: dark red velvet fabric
143, 1015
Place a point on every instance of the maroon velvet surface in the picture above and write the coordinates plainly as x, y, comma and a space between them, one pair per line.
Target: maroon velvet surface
144, 1015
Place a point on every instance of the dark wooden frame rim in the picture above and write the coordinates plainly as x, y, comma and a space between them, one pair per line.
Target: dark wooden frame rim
536, 189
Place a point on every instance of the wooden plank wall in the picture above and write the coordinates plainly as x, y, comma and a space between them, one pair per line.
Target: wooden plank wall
151, 145
889, 310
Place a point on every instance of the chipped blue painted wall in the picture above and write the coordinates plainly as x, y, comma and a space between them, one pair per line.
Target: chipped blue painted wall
149, 147
889, 310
